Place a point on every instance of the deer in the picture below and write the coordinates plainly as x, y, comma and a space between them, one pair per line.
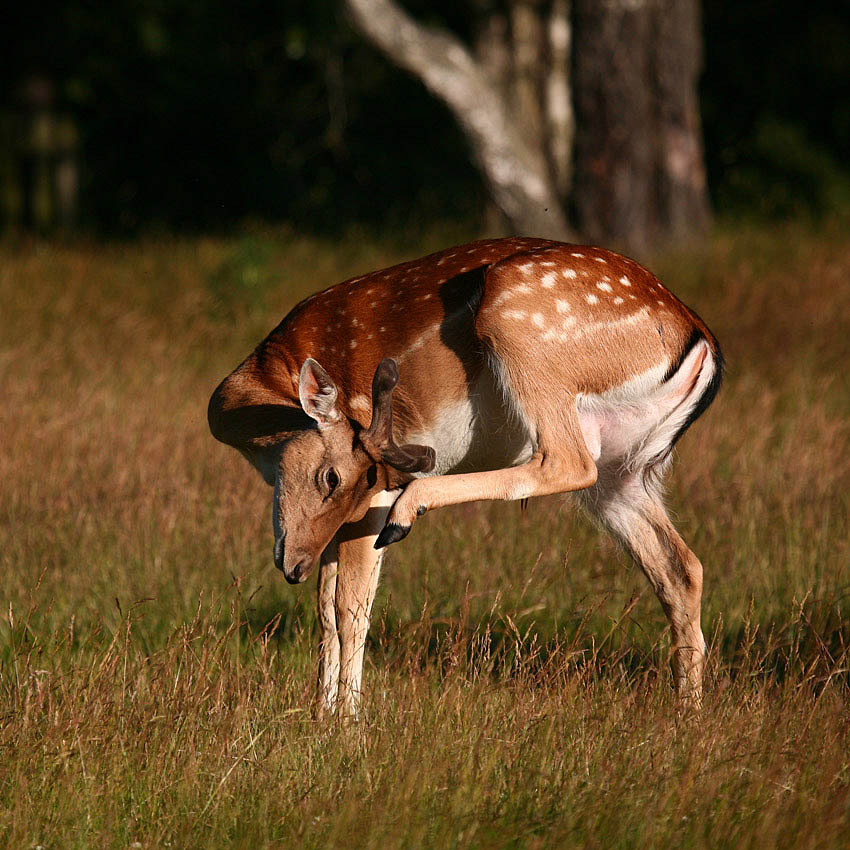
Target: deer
501, 369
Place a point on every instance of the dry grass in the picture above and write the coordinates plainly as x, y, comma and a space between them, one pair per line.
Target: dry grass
155, 672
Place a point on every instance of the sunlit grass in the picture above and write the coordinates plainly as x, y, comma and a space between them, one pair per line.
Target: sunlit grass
156, 673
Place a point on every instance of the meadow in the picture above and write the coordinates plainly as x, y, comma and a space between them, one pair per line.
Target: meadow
156, 672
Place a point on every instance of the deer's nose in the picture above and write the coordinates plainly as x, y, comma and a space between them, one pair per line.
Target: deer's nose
278, 550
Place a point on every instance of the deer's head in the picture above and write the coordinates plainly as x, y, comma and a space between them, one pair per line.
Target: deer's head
328, 475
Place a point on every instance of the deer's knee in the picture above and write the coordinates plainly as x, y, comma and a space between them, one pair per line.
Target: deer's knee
573, 471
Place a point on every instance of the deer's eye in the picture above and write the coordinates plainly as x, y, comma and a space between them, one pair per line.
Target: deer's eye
331, 479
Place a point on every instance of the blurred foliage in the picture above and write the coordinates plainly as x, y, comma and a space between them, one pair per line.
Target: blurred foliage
776, 106
200, 115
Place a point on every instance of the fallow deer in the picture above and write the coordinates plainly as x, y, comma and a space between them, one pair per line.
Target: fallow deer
501, 369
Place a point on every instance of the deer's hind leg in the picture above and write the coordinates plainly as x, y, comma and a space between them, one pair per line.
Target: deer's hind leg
536, 395
560, 463
629, 505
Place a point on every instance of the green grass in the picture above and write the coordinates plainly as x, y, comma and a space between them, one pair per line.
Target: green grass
156, 673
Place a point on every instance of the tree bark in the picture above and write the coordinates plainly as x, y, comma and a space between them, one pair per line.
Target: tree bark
683, 194
515, 170
527, 41
560, 120
639, 166
629, 158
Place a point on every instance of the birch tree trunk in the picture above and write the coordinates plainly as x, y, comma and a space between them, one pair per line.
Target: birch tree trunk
515, 169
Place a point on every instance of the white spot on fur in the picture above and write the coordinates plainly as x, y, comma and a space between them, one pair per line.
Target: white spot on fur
354, 322
562, 306
570, 274
568, 322
609, 324
618, 300
353, 343
625, 281
422, 339
600, 260
523, 289
548, 264
577, 255
632, 297
548, 280
537, 319
360, 403
605, 287
592, 299
514, 314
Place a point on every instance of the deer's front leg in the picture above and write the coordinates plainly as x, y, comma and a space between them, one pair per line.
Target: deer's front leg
359, 567
328, 683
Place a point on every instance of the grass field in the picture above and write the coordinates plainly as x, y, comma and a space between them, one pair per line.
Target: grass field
156, 672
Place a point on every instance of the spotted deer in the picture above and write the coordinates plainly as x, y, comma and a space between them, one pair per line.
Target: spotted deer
501, 369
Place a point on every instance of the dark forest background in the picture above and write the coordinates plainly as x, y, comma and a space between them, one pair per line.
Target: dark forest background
186, 115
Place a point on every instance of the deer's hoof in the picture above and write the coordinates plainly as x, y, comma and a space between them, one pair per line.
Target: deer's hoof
392, 532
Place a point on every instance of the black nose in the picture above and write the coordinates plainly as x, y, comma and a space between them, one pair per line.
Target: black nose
278, 551
294, 575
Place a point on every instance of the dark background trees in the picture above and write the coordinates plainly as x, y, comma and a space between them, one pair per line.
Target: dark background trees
189, 115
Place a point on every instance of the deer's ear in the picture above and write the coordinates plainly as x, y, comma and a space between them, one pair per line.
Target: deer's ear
318, 394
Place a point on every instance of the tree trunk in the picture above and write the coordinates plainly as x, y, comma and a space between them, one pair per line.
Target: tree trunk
560, 120
636, 178
639, 166
516, 170
682, 191
527, 41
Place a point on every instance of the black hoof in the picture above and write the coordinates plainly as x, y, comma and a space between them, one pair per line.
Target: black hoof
392, 532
